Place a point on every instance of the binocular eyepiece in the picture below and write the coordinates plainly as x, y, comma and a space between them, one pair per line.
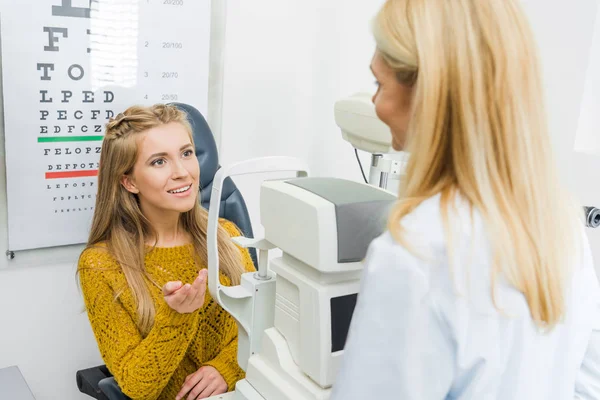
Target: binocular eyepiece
592, 217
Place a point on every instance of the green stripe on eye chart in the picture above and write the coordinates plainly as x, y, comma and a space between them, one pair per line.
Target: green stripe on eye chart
54, 139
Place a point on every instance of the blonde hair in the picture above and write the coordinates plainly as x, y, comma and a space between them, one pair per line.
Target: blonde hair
478, 130
119, 222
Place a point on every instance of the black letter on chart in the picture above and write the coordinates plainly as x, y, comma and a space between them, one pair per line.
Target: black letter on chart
44, 99
80, 68
67, 10
46, 67
53, 39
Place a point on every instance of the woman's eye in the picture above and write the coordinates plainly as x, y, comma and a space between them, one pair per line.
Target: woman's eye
159, 162
188, 153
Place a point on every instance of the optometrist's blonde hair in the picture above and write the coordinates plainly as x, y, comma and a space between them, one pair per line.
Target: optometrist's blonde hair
479, 131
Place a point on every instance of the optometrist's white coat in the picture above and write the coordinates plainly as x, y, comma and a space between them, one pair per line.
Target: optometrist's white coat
428, 329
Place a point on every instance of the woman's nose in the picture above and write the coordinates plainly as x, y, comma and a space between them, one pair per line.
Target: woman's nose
179, 170
374, 96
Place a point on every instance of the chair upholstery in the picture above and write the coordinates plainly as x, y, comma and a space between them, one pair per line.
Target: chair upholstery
97, 382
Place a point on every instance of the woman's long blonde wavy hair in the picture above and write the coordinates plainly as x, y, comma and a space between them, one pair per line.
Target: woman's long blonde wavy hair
118, 221
478, 130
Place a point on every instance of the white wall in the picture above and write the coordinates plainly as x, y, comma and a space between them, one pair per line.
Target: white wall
587, 139
564, 31
287, 61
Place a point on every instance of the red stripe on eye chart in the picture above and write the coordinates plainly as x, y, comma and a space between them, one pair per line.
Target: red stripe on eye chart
71, 174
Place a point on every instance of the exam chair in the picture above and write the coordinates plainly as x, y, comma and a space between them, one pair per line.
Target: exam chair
98, 382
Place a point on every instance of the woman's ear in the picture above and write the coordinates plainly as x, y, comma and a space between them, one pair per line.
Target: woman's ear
129, 184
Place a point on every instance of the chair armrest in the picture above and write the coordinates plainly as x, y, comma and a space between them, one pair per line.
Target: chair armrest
88, 379
110, 388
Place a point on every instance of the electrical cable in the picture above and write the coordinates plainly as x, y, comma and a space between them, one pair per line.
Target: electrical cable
360, 165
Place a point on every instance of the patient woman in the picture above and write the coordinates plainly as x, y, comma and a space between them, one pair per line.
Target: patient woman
143, 273
483, 287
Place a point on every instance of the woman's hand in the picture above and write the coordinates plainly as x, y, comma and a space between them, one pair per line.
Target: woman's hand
205, 382
186, 298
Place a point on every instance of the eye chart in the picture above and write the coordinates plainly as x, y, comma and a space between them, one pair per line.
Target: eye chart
67, 67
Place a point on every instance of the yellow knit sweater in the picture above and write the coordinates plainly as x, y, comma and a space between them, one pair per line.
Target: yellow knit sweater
155, 366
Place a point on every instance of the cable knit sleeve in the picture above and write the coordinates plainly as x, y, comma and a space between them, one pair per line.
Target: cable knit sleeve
142, 366
226, 361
